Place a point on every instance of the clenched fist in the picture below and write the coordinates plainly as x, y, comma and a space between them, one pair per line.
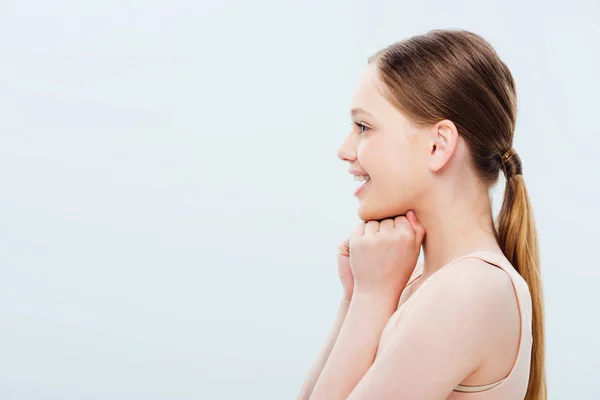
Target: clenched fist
384, 254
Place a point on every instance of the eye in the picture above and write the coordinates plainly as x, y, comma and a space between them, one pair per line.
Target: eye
361, 126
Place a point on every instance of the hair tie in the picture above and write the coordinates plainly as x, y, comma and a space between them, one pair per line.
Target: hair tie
511, 163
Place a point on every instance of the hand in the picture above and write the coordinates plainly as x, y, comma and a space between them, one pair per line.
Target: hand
344, 270
384, 254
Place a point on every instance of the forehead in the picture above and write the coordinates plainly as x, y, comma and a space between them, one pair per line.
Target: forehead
367, 94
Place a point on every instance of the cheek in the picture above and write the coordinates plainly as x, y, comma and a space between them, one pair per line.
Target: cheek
372, 153
391, 162
394, 167
395, 173
382, 161
364, 153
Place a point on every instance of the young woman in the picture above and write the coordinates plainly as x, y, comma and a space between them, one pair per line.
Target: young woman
433, 123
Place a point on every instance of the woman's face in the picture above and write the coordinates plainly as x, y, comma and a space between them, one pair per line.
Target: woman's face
387, 147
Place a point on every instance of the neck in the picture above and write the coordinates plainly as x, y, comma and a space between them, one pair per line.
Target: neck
455, 227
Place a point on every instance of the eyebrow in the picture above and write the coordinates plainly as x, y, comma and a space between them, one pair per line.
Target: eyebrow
357, 110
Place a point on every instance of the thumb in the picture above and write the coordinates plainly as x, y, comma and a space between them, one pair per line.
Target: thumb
418, 228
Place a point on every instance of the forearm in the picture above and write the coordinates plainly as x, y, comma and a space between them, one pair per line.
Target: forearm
355, 348
319, 363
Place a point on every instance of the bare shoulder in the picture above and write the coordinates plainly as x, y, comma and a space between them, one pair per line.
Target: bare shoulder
473, 278
473, 292
470, 310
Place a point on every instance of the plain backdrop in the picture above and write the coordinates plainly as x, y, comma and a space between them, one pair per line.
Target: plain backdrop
171, 200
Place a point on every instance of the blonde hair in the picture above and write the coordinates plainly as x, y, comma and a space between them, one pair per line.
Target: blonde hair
457, 75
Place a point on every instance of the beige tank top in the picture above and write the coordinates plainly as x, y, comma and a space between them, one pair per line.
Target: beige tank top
514, 385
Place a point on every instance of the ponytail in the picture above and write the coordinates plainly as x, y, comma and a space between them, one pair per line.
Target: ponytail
517, 237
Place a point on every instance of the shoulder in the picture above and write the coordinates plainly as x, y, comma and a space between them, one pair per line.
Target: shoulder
472, 296
469, 280
464, 315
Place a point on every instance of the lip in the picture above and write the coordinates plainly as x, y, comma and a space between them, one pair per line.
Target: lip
356, 172
361, 188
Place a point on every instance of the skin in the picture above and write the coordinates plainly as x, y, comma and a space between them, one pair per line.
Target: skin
466, 317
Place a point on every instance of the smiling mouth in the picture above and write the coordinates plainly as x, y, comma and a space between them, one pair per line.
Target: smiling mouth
360, 178
365, 179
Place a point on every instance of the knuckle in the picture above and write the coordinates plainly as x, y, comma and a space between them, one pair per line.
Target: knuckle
405, 232
401, 221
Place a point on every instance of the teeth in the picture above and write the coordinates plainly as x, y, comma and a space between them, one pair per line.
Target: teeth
362, 178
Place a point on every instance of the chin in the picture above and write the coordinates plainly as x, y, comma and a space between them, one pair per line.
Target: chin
378, 213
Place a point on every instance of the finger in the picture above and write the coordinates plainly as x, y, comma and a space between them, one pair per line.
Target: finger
359, 230
400, 221
416, 225
371, 228
404, 226
387, 225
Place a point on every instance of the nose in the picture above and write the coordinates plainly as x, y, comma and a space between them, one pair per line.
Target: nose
347, 151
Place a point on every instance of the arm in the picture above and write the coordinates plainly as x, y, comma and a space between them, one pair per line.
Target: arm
319, 363
347, 280
446, 333
383, 256
356, 345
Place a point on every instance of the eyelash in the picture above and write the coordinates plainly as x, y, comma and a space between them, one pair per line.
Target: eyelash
360, 126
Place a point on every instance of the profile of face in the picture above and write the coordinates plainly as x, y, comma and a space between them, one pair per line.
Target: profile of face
397, 156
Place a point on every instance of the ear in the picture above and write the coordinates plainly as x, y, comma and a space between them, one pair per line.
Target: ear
444, 140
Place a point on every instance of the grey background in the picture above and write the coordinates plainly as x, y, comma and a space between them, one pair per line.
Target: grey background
171, 200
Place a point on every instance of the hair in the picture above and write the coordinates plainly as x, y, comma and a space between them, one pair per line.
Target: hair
457, 75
